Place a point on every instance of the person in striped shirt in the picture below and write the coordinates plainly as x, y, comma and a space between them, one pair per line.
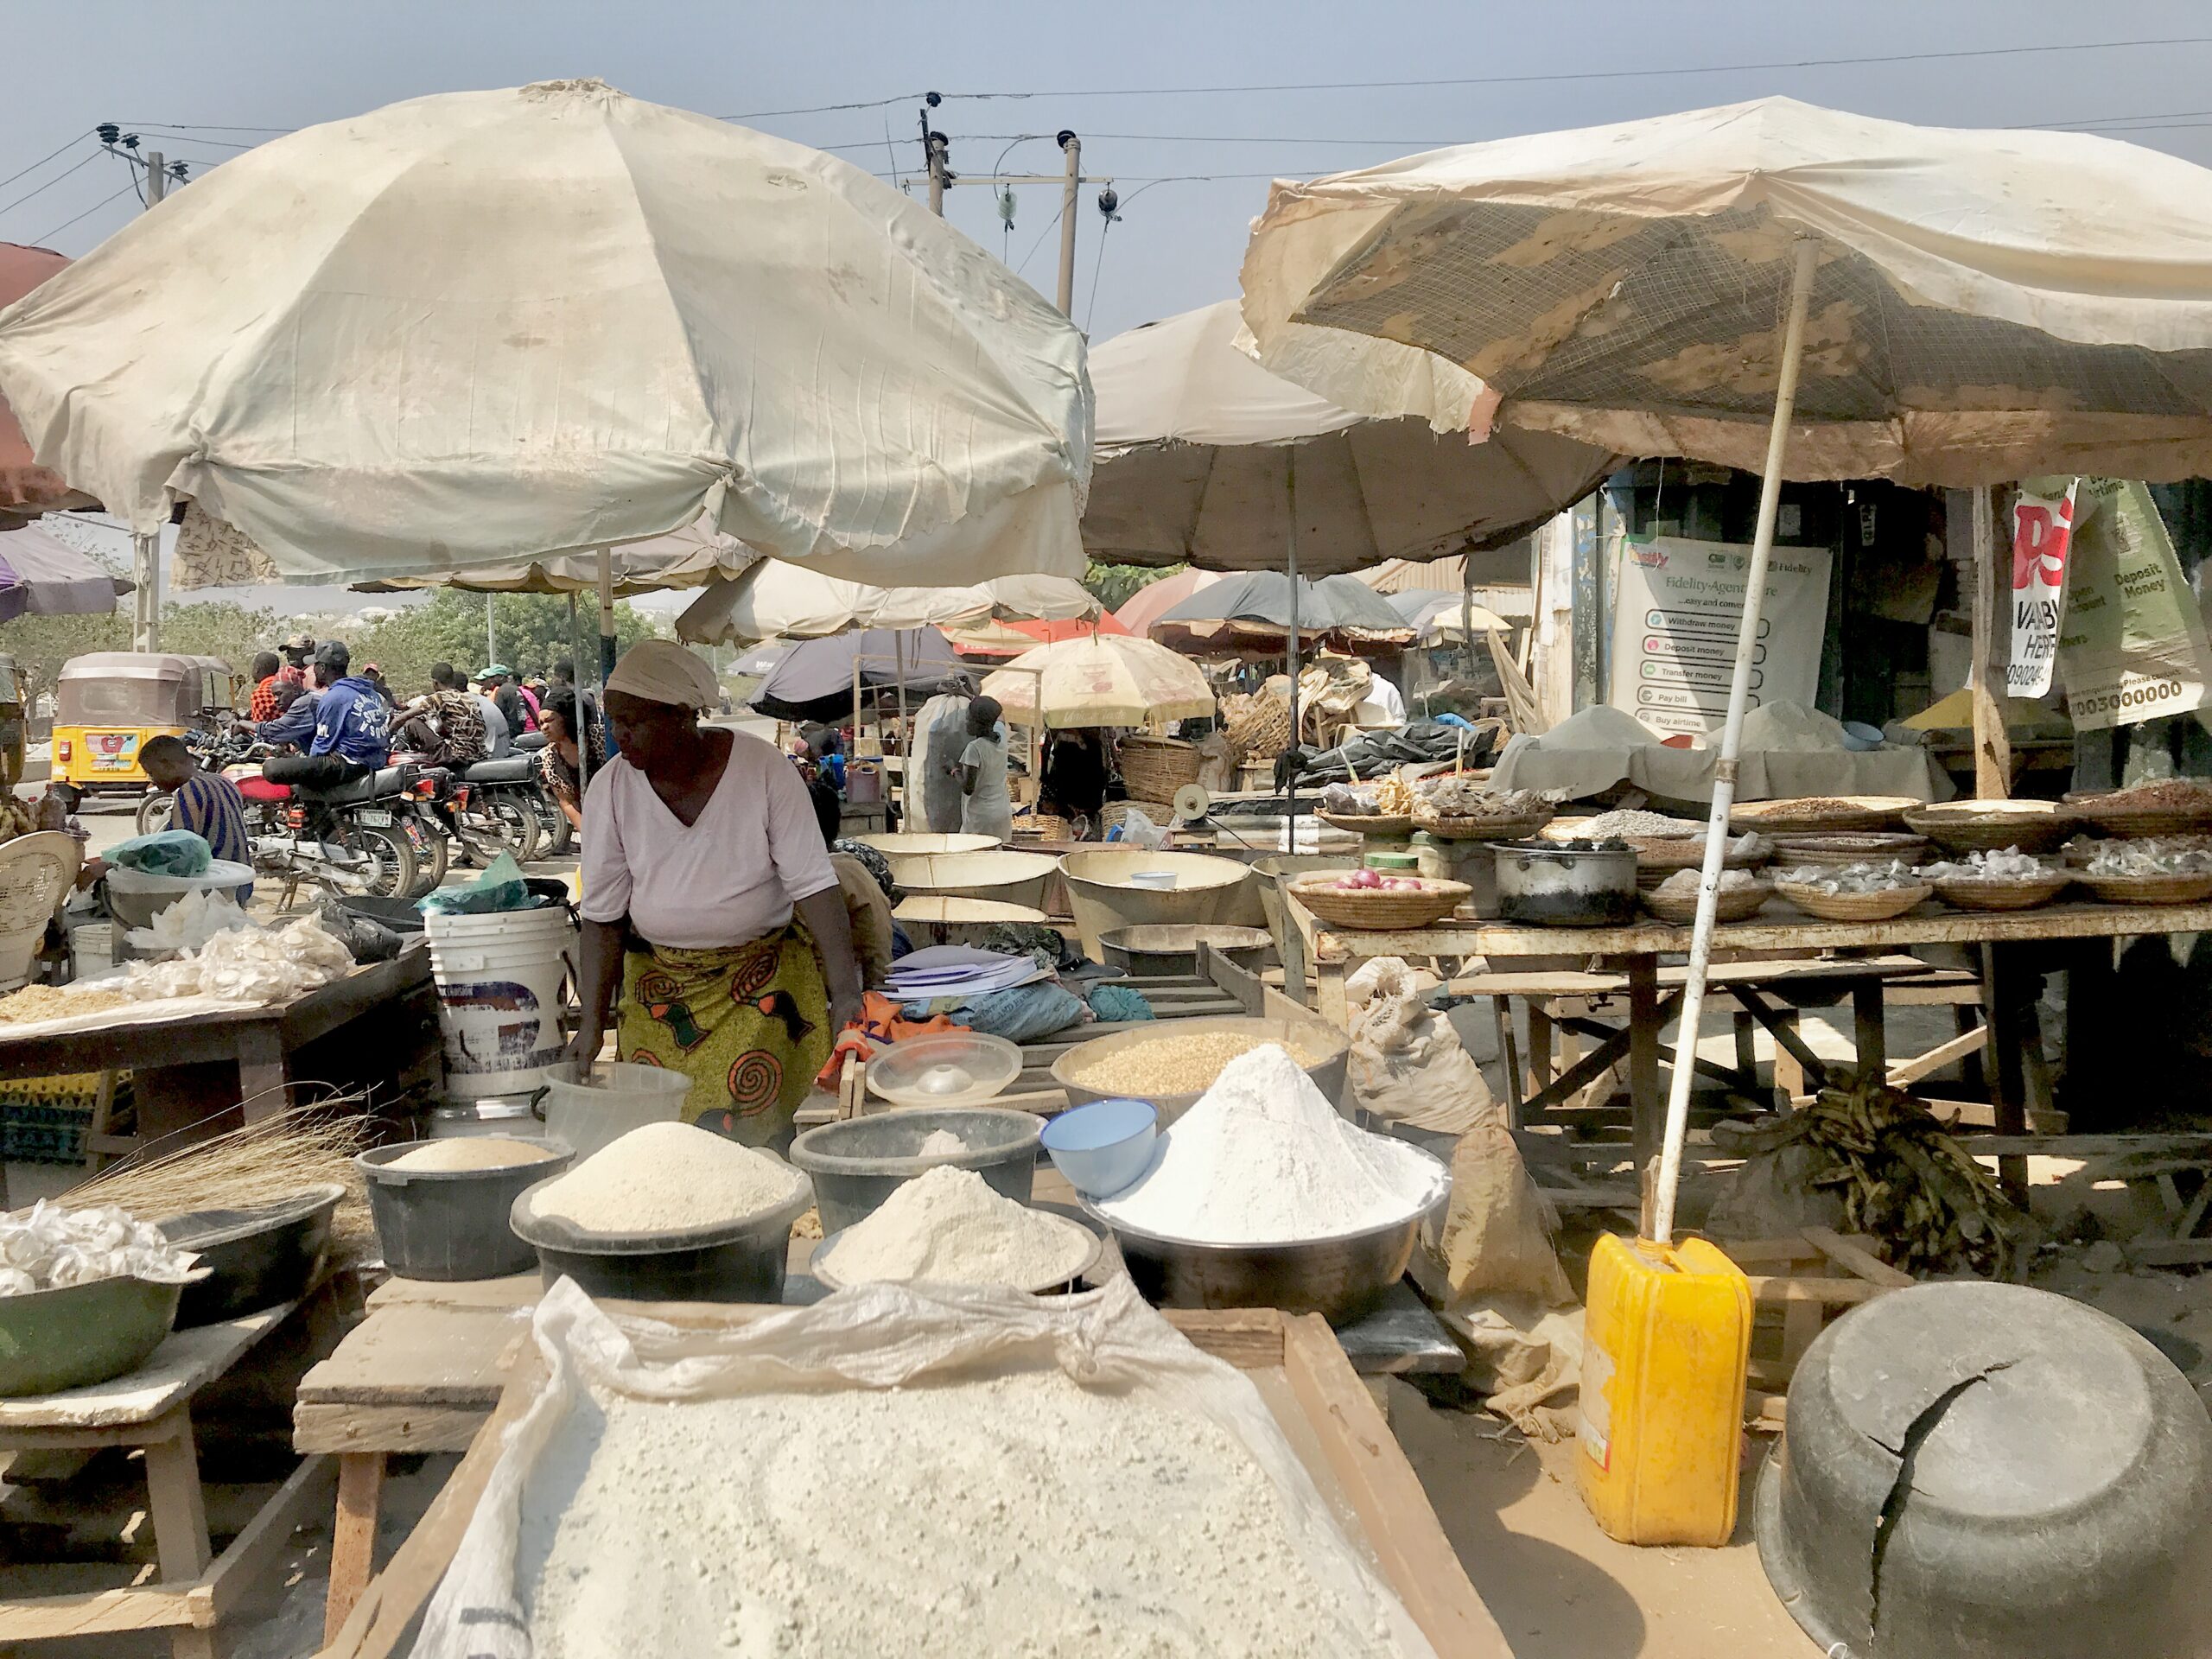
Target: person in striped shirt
206, 803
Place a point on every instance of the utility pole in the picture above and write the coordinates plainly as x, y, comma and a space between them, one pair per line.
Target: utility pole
1071, 147
491, 633
937, 150
146, 550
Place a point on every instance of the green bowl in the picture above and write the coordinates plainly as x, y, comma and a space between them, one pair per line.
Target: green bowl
55, 1339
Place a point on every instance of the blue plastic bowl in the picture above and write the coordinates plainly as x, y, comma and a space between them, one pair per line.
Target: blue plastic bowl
1103, 1147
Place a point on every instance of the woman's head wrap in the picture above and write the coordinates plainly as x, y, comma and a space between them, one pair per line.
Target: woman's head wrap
660, 670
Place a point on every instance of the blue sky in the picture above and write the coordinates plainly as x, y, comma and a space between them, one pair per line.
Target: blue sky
1168, 96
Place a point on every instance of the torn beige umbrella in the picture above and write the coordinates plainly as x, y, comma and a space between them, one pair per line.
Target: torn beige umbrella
483, 327
778, 600
1985, 305
1108, 679
1954, 307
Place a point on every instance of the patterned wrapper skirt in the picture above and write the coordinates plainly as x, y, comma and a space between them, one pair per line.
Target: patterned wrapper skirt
748, 1025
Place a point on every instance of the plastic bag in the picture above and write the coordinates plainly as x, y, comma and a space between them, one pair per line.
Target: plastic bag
1407, 1065
166, 852
500, 887
1136, 829
189, 922
872, 1338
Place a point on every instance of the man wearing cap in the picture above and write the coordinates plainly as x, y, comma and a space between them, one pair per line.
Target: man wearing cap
494, 682
710, 905
344, 729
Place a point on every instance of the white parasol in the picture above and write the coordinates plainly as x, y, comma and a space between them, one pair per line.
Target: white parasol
482, 328
778, 600
1957, 307
1107, 679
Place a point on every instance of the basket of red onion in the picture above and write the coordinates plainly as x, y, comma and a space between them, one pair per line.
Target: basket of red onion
1373, 898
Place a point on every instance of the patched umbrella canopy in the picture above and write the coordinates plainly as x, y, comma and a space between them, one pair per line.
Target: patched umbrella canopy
1984, 305
482, 328
42, 576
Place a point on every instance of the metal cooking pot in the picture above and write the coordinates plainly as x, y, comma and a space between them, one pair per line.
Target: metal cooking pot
1563, 884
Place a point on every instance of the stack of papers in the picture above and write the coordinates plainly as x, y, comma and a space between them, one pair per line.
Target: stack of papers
959, 970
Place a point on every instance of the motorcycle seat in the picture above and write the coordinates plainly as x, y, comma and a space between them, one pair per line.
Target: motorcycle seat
531, 740
255, 787
386, 780
515, 769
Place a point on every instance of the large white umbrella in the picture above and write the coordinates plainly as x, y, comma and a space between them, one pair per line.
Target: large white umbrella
1955, 308
775, 600
693, 556
1196, 447
1107, 679
482, 328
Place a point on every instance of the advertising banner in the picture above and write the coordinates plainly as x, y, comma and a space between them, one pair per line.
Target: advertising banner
1678, 607
2131, 640
2043, 524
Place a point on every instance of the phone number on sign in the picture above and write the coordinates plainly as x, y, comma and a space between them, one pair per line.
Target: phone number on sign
2127, 696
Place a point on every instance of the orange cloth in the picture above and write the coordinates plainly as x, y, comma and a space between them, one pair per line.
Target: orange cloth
879, 1024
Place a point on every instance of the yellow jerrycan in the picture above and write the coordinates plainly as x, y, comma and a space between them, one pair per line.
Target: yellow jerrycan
1666, 1337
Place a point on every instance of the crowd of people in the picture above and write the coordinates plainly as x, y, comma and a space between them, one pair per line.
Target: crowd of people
330, 724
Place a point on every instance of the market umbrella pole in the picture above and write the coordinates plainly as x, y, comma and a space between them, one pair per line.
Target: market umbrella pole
1661, 1198
1290, 563
583, 733
606, 613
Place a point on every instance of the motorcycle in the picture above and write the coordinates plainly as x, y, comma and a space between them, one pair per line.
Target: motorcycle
350, 838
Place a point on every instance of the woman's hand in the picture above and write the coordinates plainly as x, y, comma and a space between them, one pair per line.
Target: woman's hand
584, 1046
844, 1010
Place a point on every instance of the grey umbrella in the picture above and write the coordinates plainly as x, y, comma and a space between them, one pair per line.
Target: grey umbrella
1332, 604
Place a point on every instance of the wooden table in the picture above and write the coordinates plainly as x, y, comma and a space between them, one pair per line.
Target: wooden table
150, 1408
2016, 1074
382, 1013
1328, 1418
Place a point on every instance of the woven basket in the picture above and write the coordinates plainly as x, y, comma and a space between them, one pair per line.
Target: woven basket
1042, 826
1687, 852
1733, 905
1854, 906
1114, 814
1991, 826
2112, 816
1154, 768
1370, 823
1256, 725
1866, 848
1856, 812
1458, 828
1374, 909
1963, 893
2147, 889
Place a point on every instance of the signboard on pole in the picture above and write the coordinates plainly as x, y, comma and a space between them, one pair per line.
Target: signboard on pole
1679, 605
2042, 526
2131, 641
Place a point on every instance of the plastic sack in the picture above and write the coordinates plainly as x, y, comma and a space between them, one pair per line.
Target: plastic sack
1217, 763
500, 887
189, 922
869, 1339
166, 852
1118, 1002
1497, 1226
1407, 1065
1023, 1013
1526, 1358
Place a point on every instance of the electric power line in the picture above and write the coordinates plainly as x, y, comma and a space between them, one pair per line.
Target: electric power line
43, 160
1553, 77
51, 182
90, 210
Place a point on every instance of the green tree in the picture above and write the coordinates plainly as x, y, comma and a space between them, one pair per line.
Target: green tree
1111, 585
41, 644
532, 631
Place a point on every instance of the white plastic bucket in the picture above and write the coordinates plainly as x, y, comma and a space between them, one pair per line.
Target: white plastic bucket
616, 1097
500, 980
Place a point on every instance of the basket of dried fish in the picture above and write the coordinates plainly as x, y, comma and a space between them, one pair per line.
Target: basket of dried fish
1821, 814
1997, 880
1852, 893
1993, 826
1860, 847
1382, 808
1458, 808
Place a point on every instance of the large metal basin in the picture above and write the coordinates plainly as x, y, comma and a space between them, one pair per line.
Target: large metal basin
1328, 1074
1978, 1471
1103, 895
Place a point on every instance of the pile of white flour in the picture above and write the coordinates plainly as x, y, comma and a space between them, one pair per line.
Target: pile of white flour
668, 1178
1262, 1158
950, 1226
1019, 1516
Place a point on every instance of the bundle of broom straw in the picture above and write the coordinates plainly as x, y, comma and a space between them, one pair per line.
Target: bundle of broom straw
264, 1162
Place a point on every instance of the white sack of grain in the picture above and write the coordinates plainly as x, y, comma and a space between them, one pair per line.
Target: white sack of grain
862, 1341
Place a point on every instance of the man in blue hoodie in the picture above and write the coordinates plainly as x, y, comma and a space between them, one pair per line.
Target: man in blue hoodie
344, 729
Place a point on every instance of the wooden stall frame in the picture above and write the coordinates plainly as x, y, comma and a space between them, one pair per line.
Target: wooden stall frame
1359, 1463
